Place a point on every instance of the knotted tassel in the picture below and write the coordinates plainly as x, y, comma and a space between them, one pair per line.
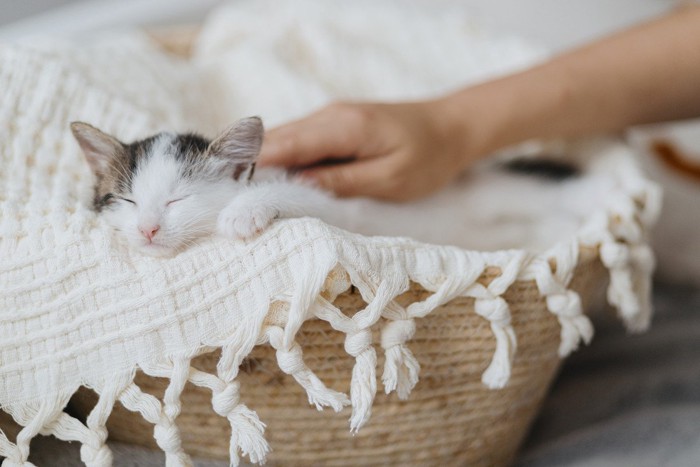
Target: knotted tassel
400, 366
292, 363
95, 452
35, 417
496, 311
165, 432
643, 262
98, 455
246, 428
616, 256
12, 454
562, 302
363, 386
575, 326
12, 462
168, 439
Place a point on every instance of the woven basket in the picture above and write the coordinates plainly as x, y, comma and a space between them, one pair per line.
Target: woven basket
451, 418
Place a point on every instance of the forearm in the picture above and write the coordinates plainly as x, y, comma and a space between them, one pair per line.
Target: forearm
646, 74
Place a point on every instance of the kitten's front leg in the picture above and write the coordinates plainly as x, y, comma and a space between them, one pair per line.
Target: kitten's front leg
254, 209
245, 220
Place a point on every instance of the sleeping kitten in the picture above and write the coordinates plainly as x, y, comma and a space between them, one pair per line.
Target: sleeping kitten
164, 192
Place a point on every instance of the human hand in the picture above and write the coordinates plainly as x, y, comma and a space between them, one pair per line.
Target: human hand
404, 151
389, 151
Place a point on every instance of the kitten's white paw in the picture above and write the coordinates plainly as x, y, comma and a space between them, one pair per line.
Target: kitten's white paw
245, 221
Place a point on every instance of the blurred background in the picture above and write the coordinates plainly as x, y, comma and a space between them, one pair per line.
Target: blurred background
554, 23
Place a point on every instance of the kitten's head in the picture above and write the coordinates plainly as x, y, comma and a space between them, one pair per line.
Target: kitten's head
163, 192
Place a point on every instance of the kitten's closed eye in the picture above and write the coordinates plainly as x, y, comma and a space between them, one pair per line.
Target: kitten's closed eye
173, 201
106, 199
109, 198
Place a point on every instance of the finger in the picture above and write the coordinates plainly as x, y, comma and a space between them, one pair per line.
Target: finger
366, 177
326, 134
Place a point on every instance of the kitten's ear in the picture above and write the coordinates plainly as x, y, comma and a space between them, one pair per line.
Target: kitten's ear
98, 147
240, 145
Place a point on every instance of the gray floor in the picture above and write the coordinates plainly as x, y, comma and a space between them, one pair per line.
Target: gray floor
555, 24
628, 400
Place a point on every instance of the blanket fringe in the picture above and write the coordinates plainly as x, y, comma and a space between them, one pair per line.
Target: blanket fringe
622, 249
247, 431
400, 366
290, 361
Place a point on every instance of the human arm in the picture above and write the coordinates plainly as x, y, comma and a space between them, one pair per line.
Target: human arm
645, 74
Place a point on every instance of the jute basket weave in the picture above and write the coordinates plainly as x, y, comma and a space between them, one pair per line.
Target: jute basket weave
451, 418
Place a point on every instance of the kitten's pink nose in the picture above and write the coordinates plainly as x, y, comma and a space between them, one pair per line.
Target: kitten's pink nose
149, 232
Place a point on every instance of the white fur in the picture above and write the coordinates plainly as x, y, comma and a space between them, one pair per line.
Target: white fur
191, 215
258, 204
497, 211
488, 209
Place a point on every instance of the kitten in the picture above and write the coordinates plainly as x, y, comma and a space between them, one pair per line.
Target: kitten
164, 192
